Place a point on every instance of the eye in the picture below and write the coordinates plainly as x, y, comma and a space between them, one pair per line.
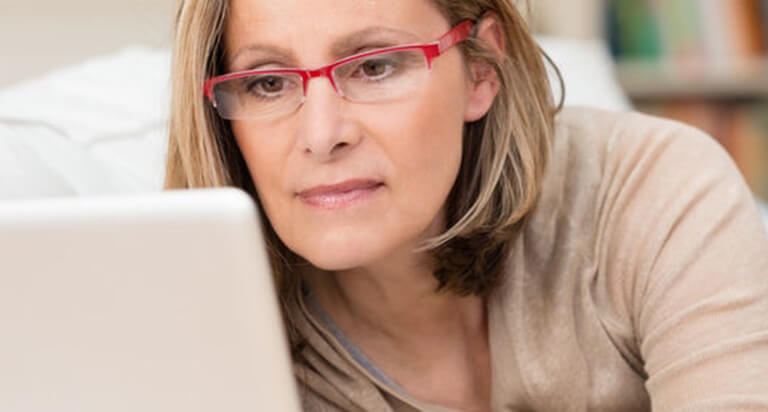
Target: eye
376, 68
267, 84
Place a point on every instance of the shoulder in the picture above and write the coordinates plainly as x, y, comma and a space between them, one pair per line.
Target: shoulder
638, 172
619, 137
645, 246
617, 157
634, 200
670, 212
645, 190
603, 161
681, 258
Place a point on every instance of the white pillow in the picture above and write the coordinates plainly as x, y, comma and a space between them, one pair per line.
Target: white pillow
24, 173
106, 114
38, 161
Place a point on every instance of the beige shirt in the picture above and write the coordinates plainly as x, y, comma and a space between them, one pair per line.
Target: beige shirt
640, 282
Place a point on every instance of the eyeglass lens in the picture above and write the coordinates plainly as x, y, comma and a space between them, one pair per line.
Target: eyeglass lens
373, 78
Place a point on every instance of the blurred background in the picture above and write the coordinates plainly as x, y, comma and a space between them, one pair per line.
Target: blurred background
37, 36
704, 62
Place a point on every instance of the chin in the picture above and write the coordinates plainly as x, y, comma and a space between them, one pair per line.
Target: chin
340, 254
334, 265
334, 262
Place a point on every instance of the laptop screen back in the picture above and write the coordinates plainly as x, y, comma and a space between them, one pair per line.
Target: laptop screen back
160, 302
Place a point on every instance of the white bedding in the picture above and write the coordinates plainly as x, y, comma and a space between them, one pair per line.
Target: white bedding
40, 161
102, 123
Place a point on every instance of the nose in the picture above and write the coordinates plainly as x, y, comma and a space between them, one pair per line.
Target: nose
324, 132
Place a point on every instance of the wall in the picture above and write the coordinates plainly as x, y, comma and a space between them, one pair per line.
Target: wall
38, 35
581, 19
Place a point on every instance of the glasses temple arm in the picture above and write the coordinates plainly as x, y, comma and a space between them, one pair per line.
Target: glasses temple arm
458, 34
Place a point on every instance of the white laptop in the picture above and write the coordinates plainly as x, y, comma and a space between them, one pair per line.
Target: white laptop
161, 302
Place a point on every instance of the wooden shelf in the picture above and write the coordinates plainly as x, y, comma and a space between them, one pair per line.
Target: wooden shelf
651, 80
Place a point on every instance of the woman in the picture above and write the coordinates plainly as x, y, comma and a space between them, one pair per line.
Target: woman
443, 239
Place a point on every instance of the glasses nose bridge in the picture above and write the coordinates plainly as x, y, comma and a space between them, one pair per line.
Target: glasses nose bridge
327, 72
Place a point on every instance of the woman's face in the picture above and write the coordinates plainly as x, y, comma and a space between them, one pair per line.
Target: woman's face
349, 184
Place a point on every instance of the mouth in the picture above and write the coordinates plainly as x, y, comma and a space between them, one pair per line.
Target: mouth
340, 195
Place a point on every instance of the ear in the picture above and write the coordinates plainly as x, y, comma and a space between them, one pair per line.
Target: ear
483, 83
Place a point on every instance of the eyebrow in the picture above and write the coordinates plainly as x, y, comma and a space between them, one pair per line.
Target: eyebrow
345, 46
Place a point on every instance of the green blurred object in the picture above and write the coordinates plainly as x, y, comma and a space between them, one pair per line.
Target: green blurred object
680, 28
637, 29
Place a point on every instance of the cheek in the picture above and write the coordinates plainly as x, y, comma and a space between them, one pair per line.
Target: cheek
425, 143
428, 163
260, 156
266, 161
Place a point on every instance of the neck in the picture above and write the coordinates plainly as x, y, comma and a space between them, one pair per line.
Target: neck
417, 336
396, 299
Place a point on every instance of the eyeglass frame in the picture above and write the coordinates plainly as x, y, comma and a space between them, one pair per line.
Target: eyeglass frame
457, 34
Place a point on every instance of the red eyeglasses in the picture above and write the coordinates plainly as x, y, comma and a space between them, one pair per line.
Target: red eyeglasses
371, 76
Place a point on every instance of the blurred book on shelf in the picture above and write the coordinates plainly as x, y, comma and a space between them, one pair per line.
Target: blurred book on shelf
721, 33
694, 47
703, 62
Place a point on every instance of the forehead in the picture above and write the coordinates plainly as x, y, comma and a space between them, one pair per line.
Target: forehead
308, 28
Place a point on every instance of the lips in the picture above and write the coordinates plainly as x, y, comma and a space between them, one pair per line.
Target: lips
341, 194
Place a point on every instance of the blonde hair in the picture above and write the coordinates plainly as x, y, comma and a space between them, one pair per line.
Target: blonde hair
504, 154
